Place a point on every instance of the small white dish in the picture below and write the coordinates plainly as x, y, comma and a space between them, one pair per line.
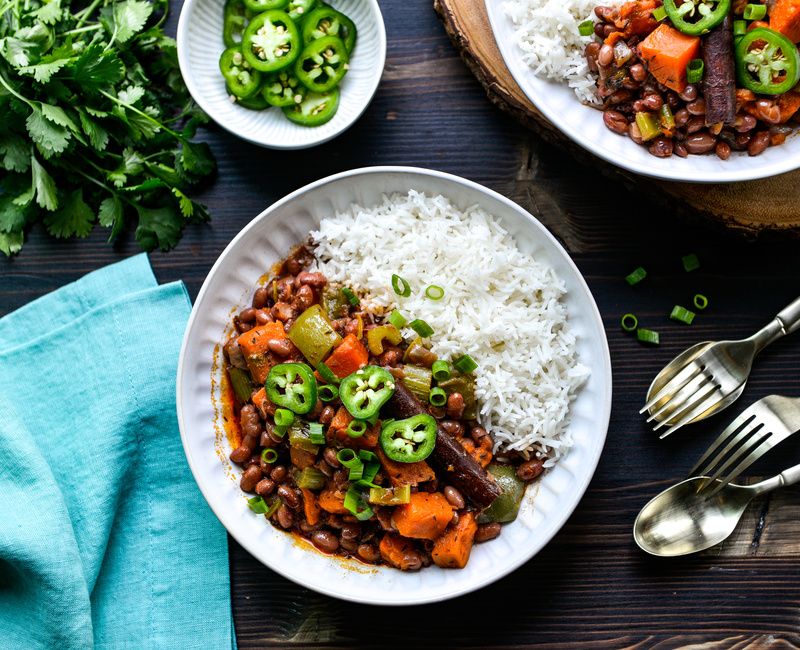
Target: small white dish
228, 288
200, 46
584, 125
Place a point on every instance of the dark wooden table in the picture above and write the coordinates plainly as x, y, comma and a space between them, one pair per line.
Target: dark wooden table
590, 587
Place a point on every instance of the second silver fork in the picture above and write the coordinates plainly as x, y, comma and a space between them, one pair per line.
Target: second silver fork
751, 435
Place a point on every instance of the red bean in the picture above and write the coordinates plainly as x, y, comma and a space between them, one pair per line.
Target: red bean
316, 280
240, 455
634, 133
486, 532
285, 517
265, 487
531, 469
326, 415
283, 311
250, 478
455, 406
679, 149
681, 117
616, 122
454, 497
289, 496
606, 55
758, 144
368, 553
281, 347
351, 531
689, 93
697, 107
248, 315
695, 124
263, 317
260, 298
652, 102
478, 433
723, 150
745, 123
700, 143
325, 541
638, 72
278, 473
455, 429
661, 147
304, 298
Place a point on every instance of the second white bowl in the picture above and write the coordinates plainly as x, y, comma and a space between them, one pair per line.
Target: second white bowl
200, 46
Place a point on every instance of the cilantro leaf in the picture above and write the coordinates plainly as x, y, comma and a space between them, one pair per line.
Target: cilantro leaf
158, 227
52, 138
97, 68
43, 185
97, 135
131, 94
49, 13
112, 215
196, 158
43, 72
126, 19
74, 218
16, 156
132, 164
11, 243
57, 115
12, 217
184, 202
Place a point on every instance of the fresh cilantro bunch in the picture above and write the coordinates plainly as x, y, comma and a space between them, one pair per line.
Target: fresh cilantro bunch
96, 123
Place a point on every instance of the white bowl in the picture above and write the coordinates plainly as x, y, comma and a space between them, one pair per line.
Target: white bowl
200, 46
228, 288
585, 126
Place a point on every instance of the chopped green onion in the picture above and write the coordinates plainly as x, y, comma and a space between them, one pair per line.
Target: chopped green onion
370, 470
465, 363
659, 14
280, 431
397, 319
401, 287
311, 479
629, 323
700, 301
441, 370
356, 472
315, 433
273, 507
682, 315
356, 428
347, 457
421, 327
354, 503
437, 397
739, 27
258, 505
586, 28
648, 336
351, 297
755, 12
690, 262
434, 292
327, 374
694, 71
328, 393
284, 417
366, 455
269, 455
636, 276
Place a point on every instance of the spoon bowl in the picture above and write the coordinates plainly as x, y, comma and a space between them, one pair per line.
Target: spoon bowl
680, 521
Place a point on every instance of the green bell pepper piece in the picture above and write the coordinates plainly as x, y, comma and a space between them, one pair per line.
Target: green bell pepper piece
241, 383
505, 507
313, 334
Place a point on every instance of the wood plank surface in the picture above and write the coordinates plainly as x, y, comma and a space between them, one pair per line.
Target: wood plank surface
591, 587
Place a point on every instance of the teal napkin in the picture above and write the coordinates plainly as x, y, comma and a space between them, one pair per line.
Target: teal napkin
105, 540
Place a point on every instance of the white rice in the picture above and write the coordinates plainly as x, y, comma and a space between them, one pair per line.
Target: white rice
500, 306
546, 31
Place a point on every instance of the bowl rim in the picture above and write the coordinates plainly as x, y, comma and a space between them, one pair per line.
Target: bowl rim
682, 172
182, 36
602, 420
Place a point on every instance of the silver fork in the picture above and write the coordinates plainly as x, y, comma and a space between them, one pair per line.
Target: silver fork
751, 435
709, 377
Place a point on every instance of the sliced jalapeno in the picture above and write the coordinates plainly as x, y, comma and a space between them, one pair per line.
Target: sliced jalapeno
254, 103
258, 6
697, 17
366, 390
410, 440
326, 21
767, 62
322, 64
271, 41
298, 9
283, 89
241, 79
292, 386
315, 109
233, 23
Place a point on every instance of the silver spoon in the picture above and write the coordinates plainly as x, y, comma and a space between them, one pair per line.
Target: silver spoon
709, 376
679, 521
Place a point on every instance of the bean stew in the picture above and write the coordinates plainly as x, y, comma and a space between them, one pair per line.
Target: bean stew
356, 438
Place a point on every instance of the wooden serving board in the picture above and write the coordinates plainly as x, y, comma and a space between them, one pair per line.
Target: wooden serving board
754, 208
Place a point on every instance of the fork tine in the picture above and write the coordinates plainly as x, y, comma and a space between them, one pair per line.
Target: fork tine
733, 428
676, 402
752, 457
702, 400
750, 440
674, 384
